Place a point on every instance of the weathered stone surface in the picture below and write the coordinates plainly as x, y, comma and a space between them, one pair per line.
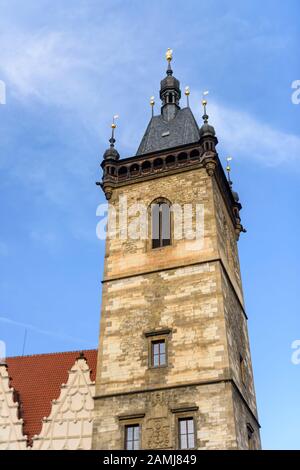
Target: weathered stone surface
194, 292
214, 418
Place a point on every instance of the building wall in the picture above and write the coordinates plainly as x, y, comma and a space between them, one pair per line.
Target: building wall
125, 257
157, 412
181, 288
236, 324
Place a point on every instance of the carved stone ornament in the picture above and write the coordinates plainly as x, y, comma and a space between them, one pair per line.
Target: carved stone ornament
158, 433
209, 162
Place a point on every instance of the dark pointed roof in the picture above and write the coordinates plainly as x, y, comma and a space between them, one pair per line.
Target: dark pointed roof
161, 134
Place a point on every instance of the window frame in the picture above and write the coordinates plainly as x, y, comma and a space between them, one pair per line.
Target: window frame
159, 202
157, 336
132, 425
250, 437
159, 342
133, 419
180, 419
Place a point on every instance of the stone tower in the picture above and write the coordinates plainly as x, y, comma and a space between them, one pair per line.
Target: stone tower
174, 365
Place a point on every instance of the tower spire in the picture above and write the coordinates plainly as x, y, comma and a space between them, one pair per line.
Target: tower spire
228, 170
169, 57
187, 93
206, 129
204, 104
112, 140
152, 103
111, 152
170, 92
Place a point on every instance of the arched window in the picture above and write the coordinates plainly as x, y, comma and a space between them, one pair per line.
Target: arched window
182, 157
146, 166
160, 223
122, 173
158, 164
194, 154
170, 160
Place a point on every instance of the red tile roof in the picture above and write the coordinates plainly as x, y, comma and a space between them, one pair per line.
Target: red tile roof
37, 380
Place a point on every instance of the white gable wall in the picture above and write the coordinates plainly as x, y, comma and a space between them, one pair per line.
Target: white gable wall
70, 423
11, 436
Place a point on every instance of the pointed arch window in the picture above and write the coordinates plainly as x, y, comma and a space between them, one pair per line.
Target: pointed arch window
161, 223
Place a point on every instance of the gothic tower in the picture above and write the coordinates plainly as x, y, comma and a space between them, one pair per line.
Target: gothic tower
174, 365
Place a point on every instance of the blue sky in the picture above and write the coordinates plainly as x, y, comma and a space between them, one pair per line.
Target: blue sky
68, 67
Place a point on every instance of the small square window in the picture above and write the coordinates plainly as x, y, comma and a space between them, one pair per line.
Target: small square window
186, 433
158, 353
132, 437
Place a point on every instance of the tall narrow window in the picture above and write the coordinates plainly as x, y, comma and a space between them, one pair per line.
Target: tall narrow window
186, 433
132, 437
158, 353
161, 224
250, 432
242, 369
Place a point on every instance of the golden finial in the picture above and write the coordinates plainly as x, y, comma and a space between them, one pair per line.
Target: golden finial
187, 94
228, 168
113, 126
169, 55
152, 103
204, 103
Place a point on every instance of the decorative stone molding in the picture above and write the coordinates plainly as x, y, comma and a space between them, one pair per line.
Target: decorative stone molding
239, 229
11, 435
69, 425
158, 432
119, 172
209, 161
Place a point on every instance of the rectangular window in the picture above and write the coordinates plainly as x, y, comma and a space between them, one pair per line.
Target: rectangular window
186, 433
132, 437
161, 224
158, 353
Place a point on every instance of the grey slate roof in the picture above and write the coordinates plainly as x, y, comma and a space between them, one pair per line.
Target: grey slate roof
160, 134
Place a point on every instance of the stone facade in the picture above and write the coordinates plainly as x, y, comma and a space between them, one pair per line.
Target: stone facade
190, 293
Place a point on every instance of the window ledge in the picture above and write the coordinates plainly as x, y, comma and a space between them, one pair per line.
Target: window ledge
165, 331
133, 416
185, 409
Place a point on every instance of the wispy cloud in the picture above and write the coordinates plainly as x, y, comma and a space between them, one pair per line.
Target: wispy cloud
50, 240
244, 135
40, 331
63, 67
84, 75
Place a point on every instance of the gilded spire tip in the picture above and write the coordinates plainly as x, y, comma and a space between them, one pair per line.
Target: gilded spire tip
204, 104
113, 126
187, 93
152, 103
169, 55
228, 169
